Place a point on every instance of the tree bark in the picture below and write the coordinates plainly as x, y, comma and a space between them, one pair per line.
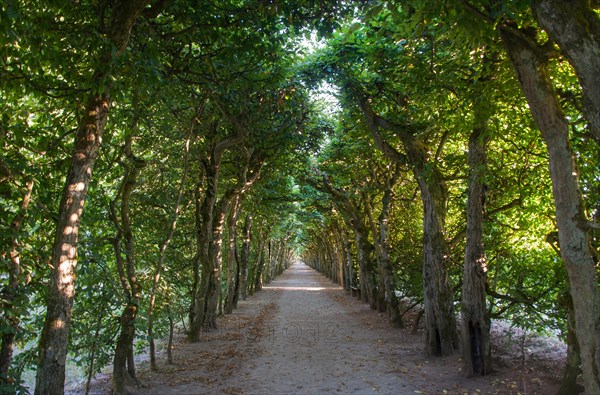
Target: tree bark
13, 289
123, 365
368, 281
387, 271
207, 298
260, 265
198, 204
380, 301
90, 369
171, 333
54, 338
234, 214
245, 257
475, 339
208, 228
575, 27
210, 236
355, 220
381, 236
161, 255
568, 382
530, 64
349, 260
441, 334
61, 291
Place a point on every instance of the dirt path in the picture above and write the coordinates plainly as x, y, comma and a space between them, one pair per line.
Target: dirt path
304, 335
315, 346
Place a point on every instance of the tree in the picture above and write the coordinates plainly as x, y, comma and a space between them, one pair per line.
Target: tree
54, 338
429, 155
575, 27
386, 271
475, 340
123, 365
529, 61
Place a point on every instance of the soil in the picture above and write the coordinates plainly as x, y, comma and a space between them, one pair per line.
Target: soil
304, 335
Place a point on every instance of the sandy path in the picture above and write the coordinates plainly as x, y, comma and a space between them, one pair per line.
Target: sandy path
304, 335
314, 346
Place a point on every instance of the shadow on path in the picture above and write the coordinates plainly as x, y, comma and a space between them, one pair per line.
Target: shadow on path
303, 335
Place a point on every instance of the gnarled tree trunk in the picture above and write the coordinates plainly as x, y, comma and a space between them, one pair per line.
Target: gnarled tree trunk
13, 289
210, 236
161, 255
568, 382
232, 269
383, 248
245, 257
123, 364
355, 219
530, 64
209, 230
365, 249
207, 298
260, 264
387, 271
575, 26
441, 334
54, 339
475, 339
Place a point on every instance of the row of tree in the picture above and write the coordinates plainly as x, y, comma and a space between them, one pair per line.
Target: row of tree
216, 167
132, 134
432, 107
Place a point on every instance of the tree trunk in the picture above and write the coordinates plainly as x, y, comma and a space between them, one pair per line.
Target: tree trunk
441, 334
344, 268
211, 258
387, 271
349, 260
342, 258
209, 227
13, 290
171, 333
530, 65
198, 214
355, 219
205, 223
232, 219
211, 235
123, 370
245, 257
568, 383
387, 292
381, 301
123, 367
368, 281
258, 282
575, 27
475, 339
54, 339
161, 255
90, 370
236, 292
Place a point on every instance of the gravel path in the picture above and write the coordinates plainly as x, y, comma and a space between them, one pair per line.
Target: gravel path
313, 344
303, 335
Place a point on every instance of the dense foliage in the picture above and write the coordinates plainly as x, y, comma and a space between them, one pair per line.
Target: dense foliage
214, 146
